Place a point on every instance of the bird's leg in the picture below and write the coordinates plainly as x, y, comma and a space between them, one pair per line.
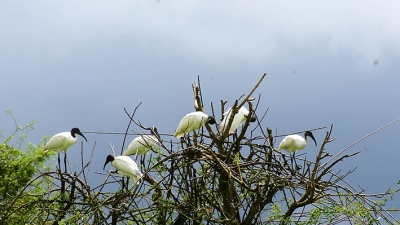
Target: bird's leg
295, 167
291, 167
142, 162
295, 162
62, 187
59, 164
292, 159
65, 162
125, 184
59, 171
194, 138
188, 140
182, 141
284, 159
122, 181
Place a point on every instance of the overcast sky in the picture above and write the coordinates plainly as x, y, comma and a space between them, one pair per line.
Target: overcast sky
78, 63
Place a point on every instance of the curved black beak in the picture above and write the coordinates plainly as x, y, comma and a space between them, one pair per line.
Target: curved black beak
309, 134
76, 130
109, 158
82, 135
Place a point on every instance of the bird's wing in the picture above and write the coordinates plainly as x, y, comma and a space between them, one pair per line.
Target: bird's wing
285, 143
182, 127
141, 145
134, 147
55, 142
128, 167
191, 122
222, 125
244, 111
227, 111
238, 118
149, 141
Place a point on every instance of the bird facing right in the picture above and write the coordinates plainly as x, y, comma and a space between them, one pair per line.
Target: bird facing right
192, 121
62, 141
238, 118
295, 142
141, 145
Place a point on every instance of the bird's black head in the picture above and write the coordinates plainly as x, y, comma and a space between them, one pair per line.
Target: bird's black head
154, 131
211, 120
109, 158
309, 134
252, 118
76, 130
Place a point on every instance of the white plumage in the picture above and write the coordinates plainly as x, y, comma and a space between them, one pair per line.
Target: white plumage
141, 145
62, 141
239, 118
126, 167
192, 121
295, 142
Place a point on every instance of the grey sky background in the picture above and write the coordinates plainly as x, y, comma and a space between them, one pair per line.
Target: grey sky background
75, 63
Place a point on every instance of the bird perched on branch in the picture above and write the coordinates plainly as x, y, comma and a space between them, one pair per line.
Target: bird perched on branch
62, 141
191, 122
295, 142
141, 145
126, 167
239, 118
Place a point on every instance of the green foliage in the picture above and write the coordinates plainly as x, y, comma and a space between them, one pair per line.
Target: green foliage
17, 168
275, 213
358, 211
207, 178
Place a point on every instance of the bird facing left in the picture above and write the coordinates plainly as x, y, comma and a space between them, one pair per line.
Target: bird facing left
126, 167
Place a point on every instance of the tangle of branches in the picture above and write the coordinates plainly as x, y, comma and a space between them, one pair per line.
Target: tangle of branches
208, 177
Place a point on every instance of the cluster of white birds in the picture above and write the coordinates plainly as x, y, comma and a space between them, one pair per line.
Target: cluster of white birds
191, 122
125, 165
195, 120
143, 143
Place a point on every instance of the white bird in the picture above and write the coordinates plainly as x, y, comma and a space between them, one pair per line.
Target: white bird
192, 121
62, 141
126, 167
239, 118
141, 145
295, 142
